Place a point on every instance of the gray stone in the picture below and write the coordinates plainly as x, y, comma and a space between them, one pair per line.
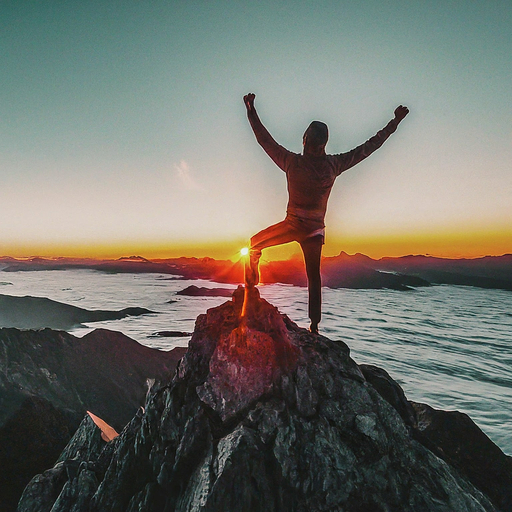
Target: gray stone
314, 435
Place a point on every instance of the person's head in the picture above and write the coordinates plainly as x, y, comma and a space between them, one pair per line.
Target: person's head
315, 138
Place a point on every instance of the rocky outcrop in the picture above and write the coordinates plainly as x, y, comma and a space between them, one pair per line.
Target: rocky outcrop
53, 486
49, 379
197, 291
40, 312
452, 436
261, 416
171, 334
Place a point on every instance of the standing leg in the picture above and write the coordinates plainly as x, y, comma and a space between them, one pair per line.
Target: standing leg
277, 234
252, 274
312, 250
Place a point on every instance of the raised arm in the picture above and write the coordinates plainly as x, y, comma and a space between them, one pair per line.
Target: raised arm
348, 160
274, 150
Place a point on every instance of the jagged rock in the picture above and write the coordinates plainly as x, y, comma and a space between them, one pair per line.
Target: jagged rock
43, 490
39, 312
452, 436
391, 391
49, 379
73, 481
264, 416
86, 443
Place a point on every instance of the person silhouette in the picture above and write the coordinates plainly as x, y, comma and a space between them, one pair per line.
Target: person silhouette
310, 177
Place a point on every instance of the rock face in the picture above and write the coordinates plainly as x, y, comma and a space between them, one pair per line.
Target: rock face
48, 379
40, 312
260, 416
453, 437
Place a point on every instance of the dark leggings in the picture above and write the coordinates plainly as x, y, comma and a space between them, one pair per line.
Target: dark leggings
312, 250
281, 233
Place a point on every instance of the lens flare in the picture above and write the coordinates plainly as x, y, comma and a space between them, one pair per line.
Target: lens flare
244, 251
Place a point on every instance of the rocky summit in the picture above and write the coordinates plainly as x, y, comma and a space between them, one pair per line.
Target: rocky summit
261, 415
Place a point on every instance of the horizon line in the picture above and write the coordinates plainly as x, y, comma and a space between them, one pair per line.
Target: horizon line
141, 257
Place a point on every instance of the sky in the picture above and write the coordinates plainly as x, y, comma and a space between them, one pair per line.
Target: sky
123, 129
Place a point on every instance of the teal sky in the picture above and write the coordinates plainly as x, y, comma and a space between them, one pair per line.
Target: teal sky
122, 123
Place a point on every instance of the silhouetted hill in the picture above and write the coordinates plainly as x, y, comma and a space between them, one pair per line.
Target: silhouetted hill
39, 312
195, 291
488, 272
342, 271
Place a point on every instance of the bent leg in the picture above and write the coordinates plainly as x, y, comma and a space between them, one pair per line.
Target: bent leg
312, 250
277, 234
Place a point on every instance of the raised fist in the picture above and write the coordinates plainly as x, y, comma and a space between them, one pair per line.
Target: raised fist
249, 101
401, 112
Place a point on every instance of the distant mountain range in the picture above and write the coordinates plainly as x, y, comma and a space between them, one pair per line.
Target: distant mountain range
342, 271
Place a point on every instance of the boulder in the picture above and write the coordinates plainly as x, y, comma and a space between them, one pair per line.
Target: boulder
262, 415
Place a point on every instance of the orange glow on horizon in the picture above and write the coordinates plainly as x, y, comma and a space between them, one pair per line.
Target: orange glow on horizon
448, 244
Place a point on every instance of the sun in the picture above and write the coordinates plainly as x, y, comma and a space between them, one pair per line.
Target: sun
244, 251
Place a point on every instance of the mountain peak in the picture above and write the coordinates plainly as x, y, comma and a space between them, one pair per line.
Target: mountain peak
261, 415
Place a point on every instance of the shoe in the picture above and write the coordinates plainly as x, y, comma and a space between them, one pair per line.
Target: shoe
313, 328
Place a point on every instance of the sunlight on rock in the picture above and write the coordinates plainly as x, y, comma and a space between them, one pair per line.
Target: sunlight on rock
107, 432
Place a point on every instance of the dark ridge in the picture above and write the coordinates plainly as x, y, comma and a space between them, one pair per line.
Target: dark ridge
40, 312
